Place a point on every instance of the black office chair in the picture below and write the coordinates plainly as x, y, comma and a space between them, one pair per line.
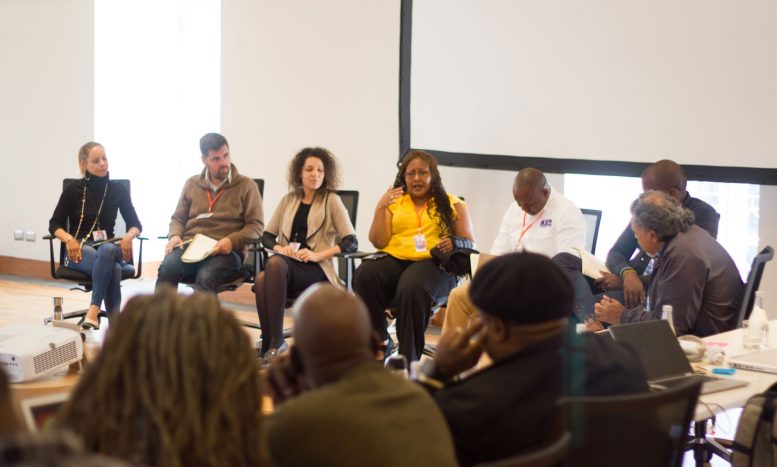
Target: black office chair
593, 218
60, 272
753, 283
549, 456
646, 429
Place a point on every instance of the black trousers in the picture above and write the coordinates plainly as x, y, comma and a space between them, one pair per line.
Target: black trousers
411, 286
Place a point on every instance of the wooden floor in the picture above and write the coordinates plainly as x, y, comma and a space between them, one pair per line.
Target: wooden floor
26, 300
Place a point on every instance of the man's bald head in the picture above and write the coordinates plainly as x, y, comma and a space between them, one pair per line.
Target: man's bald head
666, 176
531, 190
332, 331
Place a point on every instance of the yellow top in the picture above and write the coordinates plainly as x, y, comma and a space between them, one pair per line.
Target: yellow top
404, 227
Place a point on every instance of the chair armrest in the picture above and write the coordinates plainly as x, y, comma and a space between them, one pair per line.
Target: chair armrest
53, 271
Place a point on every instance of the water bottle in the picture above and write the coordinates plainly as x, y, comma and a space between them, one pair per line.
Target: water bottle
666, 313
57, 309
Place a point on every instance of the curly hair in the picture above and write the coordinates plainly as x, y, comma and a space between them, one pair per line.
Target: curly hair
83, 154
443, 212
657, 211
175, 384
331, 170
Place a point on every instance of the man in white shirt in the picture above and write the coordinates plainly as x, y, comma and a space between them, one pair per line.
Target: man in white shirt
540, 221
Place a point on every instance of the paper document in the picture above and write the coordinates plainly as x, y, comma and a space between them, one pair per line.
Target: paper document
199, 249
591, 264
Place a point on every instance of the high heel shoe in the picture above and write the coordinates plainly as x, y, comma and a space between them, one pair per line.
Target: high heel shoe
88, 324
274, 353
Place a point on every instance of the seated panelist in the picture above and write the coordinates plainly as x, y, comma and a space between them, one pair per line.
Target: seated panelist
410, 219
309, 226
540, 220
219, 203
89, 208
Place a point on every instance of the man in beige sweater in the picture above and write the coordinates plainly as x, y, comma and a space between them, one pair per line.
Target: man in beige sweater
219, 203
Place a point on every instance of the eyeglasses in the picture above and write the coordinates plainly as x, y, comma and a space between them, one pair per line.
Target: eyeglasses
418, 173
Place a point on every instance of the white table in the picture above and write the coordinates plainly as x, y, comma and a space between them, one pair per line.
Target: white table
710, 405
733, 398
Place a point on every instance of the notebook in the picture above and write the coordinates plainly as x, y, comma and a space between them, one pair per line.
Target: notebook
664, 360
762, 360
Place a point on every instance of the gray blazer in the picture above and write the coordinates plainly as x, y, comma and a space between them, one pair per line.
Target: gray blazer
328, 223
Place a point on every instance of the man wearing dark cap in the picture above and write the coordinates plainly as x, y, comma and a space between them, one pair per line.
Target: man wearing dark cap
525, 302
334, 405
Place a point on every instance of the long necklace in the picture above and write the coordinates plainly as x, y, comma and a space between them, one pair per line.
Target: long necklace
96, 218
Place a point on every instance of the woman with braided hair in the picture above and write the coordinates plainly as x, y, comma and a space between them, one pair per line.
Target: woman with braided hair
411, 218
175, 384
85, 215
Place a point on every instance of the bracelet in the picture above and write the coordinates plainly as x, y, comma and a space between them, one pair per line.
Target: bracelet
623, 275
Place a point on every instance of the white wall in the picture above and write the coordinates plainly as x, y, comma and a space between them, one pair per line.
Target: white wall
309, 73
46, 91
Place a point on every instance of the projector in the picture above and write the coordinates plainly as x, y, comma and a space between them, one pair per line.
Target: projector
29, 351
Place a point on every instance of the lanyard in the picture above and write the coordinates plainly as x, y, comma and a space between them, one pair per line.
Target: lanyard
420, 213
525, 228
211, 201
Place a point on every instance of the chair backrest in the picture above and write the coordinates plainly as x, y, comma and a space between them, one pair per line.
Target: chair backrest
593, 217
351, 201
753, 282
260, 184
645, 429
548, 456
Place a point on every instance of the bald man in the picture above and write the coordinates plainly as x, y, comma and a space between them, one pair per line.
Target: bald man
336, 406
627, 268
540, 220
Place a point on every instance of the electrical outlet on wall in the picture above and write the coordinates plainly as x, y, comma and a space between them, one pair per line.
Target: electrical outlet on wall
18, 234
29, 235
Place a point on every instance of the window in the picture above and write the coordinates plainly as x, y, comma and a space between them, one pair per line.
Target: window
737, 204
157, 90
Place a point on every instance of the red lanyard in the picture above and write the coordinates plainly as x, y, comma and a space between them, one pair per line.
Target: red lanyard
525, 228
211, 201
420, 213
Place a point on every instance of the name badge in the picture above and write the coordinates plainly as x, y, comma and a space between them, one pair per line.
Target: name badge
204, 215
546, 222
99, 235
420, 243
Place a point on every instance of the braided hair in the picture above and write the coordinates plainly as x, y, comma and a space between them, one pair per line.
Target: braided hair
175, 384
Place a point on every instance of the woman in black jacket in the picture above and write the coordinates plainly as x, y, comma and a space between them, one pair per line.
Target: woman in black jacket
86, 215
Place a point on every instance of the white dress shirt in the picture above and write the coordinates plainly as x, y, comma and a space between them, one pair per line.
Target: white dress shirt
556, 229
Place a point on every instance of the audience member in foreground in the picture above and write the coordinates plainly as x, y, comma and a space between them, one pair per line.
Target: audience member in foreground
219, 203
86, 214
411, 218
175, 384
692, 271
309, 226
336, 407
525, 302
541, 220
